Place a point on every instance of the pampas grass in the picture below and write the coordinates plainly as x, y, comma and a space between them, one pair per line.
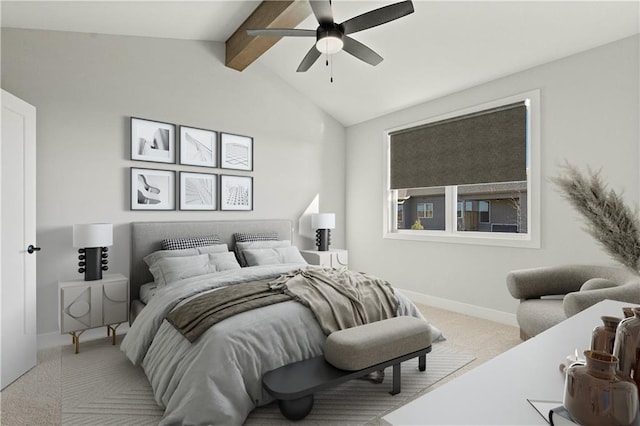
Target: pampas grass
608, 219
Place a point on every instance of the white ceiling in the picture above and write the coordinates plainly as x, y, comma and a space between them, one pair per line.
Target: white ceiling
444, 47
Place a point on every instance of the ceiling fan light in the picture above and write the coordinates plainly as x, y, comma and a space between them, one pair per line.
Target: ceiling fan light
329, 45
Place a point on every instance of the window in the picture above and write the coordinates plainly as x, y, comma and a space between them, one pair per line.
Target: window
422, 210
475, 167
425, 210
483, 208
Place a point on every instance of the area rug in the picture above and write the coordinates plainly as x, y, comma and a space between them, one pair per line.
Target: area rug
100, 386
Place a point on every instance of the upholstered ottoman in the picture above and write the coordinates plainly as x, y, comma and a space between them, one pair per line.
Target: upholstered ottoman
349, 354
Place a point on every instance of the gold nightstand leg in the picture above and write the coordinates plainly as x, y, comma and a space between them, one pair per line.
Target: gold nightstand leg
75, 339
111, 329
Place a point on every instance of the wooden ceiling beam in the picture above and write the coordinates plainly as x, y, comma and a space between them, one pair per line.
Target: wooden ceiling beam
241, 50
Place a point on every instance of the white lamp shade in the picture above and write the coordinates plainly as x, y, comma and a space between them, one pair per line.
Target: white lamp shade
323, 221
93, 235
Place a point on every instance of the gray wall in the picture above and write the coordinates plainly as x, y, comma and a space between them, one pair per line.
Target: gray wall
589, 107
85, 87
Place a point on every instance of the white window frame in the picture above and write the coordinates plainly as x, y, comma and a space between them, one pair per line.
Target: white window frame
451, 235
418, 210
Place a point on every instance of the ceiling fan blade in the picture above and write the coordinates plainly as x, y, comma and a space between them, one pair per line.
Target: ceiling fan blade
322, 11
360, 51
310, 58
282, 32
377, 17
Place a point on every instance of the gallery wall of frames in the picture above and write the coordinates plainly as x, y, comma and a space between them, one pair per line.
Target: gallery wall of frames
155, 188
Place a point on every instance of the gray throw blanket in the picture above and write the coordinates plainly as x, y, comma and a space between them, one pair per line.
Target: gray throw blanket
196, 316
339, 298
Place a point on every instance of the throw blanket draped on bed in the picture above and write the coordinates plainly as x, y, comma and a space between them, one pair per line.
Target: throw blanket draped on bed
196, 316
339, 298
218, 378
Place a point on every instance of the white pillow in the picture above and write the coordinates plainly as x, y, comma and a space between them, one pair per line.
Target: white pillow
152, 258
166, 271
242, 246
216, 248
271, 256
223, 261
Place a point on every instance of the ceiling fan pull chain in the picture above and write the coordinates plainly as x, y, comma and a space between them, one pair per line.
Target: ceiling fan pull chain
331, 70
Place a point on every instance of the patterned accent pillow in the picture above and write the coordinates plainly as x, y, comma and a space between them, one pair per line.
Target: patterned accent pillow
241, 237
191, 242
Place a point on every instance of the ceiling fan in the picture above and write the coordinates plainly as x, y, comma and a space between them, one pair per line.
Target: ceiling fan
332, 37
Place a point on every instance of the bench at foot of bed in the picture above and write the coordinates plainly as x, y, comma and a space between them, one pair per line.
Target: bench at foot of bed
349, 354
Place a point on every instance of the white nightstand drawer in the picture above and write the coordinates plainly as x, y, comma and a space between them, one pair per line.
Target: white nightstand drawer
330, 259
114, 302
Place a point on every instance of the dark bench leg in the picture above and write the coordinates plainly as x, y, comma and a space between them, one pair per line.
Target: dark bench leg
296, 409
422, 362
396, 379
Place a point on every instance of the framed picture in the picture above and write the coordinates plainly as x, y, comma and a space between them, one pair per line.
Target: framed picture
153, 189
198, 147
236, 152
153, 141
236, 192
198, 191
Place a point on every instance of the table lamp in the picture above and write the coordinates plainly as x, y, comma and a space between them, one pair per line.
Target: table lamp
323, 222
92, 240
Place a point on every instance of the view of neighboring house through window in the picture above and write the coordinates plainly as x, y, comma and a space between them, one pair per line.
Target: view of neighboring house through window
473, 167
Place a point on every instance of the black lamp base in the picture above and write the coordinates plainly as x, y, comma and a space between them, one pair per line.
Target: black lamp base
323, 239
93, 260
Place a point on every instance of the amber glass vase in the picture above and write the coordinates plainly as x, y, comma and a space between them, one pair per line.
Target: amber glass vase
595, 395
604, 336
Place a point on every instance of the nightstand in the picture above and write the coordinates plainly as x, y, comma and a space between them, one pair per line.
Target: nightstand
334, 258
89, 304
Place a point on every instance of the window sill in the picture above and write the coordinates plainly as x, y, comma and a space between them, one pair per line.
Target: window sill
495, 239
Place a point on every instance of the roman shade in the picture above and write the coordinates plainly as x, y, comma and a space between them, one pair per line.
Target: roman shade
484, 147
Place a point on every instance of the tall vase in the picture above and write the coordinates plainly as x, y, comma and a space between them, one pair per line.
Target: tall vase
627, 347
604, 336
594, 395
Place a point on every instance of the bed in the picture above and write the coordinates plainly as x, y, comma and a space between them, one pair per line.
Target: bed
217, 378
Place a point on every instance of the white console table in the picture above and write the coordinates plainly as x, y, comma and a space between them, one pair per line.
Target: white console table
496, 392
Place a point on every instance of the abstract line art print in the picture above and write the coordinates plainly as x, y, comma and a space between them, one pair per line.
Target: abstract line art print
153, 189
198, 191
236, 192
198, 147
236, 152
152, 141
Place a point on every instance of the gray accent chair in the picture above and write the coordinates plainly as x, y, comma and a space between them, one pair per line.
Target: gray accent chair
551, 294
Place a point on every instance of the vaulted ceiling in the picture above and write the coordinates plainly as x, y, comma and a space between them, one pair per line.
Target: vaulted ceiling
444, 47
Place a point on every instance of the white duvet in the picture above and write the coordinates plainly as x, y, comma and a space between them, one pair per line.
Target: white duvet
217, 380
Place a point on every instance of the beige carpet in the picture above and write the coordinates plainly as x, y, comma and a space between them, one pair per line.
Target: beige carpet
100, 386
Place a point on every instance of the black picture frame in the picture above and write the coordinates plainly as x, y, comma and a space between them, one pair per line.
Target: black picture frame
198, 147
236, 193
198, 191
153, 141
236, 152
152, 189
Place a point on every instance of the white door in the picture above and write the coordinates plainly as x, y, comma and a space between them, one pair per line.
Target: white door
18, 232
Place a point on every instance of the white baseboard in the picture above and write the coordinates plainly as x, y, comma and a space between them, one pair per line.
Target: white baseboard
49, 340
463, 308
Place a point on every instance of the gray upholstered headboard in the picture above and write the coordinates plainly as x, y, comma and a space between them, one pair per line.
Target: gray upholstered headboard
146, 237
